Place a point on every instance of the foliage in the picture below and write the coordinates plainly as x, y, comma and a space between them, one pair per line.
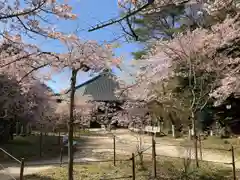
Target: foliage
31, 17
20, 60
195, 63
192, 65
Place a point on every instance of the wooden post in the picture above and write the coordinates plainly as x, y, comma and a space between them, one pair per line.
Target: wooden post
40, 144
22, 130
59, 138
233, 164
17, 128
173, 131
154, 163
30, 128
133, 167
200, 148
189, 132
22, 169
27, 129
61, 156
196, 149
114, 150
194, 131
211, 132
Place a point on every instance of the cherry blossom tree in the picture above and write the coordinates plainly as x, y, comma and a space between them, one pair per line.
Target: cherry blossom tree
207, 59
83, 107
11, 96
18, 62
31, 17
81, 56
23, 103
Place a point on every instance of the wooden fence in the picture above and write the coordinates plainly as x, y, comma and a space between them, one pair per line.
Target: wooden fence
20, 162
153, 154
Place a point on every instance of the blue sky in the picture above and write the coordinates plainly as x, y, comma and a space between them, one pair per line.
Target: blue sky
90, 12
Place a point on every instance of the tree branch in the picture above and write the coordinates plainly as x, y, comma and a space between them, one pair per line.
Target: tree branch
131, 29
112, 21
39, 67
23, 13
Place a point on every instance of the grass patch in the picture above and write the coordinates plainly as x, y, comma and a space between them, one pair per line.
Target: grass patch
211, 142
217, 142
167, 168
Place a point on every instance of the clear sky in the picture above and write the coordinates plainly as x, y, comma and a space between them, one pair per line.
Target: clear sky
90, 12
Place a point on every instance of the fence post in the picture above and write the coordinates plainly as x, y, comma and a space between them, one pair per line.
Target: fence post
154, 163
133, 167
22, 169
61, 156
59, 138
114, 150
233, 164
40, 144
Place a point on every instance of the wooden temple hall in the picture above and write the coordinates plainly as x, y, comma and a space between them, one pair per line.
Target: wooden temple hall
101, 88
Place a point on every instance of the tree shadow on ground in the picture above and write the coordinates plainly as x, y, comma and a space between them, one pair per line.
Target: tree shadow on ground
34, 148
38, 177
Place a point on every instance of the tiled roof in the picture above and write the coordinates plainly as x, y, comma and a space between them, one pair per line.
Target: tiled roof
100, 88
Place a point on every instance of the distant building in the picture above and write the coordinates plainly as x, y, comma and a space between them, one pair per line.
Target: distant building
101, 89
228, 112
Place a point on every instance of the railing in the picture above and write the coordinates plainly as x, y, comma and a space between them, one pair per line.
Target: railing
232, 160
113, 160
21, 162
151, 149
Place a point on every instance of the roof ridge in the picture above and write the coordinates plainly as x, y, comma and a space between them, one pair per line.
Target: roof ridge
93, 79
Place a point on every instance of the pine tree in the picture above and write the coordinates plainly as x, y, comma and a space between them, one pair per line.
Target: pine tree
156, 24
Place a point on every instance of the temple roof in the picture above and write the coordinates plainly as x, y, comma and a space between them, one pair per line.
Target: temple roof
100, 88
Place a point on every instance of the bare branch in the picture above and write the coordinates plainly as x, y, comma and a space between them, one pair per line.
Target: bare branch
112, 21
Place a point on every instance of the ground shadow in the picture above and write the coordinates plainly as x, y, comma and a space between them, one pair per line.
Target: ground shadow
37, 150
34, 148
37, 177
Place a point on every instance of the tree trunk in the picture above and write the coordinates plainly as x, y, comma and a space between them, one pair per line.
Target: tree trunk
17, 128
140, 148
173, 131
159, 126
211, 132
189, 132
195, 139
70, 126
106, 118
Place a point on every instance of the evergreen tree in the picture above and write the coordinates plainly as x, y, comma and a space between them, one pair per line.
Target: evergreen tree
157, 23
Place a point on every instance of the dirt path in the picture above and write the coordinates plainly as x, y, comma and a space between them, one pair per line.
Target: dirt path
125, 144
11, 172
166, 148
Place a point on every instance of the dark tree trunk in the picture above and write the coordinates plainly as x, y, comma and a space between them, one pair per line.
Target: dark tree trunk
195, 138
70, 125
